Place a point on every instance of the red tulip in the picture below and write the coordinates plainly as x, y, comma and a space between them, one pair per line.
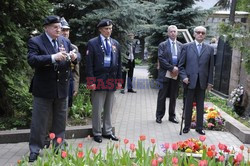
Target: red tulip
174, 160
210, 154
142, 137
174, 146
213, 147
80, 145
94, 150
202, 138
203, 163
126, 141
64, 154
152, 140
239, 157
242, 147
59, 140
154, 162
221, 158
194, 104
80, 154
160, 159
221, 146
132, 147
166, 146
52, 135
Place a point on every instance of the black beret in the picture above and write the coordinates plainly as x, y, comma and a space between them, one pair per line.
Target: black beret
51, 20
104, 23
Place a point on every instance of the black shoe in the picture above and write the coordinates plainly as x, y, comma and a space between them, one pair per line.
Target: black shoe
158, 120
174, 120
131, 91
98, 139
111, 136
122, 91
186, 130
200, 131
33, 157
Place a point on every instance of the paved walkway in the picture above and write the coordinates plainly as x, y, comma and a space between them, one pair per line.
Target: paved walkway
133, 115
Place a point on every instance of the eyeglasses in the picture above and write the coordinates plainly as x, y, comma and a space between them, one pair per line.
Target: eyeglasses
200, 32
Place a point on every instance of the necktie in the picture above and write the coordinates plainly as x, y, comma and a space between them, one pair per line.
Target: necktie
108, 49
173, 49
107, 57
199, 49
174, 56
54, 45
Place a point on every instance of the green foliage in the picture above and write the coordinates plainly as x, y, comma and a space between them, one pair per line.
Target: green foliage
19, 101
17, 20
238, 37
81, 104
138, 61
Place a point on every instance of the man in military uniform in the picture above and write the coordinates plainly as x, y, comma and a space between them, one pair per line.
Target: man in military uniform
50, 83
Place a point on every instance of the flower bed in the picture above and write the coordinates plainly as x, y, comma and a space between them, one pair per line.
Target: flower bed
126, 153
212, 119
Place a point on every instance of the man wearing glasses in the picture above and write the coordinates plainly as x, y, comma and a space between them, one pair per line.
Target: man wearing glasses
196, 71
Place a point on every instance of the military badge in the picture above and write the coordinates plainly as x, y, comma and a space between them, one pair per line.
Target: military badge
114, 48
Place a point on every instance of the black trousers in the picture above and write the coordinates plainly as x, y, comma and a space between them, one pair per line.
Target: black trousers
167, 89
130, 71
197, 95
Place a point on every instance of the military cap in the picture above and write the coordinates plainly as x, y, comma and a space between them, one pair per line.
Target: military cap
51, 20
64, 23
104, 23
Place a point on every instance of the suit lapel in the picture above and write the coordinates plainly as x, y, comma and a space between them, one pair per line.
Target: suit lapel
114, 50
169, 53
203, 49
195, 49
47, 44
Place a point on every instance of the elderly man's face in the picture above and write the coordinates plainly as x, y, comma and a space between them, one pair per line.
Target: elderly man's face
172, 33
106, 31
65, 32
200, 34
53, 30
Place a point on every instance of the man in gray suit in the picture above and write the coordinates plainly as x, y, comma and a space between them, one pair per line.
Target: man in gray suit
168, 55
103, 68
196, 71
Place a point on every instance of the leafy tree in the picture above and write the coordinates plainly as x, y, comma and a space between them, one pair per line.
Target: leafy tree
83, 16
17, 20
170, 12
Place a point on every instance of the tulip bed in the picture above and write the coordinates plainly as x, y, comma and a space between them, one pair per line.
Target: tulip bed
125, 153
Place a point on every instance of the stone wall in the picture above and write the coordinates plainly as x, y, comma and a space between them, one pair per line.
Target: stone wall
239, 76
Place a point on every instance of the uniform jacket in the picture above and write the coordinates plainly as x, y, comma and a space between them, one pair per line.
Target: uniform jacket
165, 59
192, 65
104, 77
50, 80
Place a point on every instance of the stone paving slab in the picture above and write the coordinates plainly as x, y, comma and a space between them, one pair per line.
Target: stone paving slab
133, 115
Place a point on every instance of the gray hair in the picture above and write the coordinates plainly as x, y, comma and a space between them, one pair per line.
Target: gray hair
172, 26
200, 27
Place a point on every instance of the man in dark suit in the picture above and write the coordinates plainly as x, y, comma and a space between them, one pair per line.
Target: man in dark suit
196, 71
168, 56
50, 83
129, 64
103, 69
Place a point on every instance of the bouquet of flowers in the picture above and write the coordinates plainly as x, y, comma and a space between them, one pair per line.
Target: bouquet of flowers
236, 96
212, 118
191, 145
